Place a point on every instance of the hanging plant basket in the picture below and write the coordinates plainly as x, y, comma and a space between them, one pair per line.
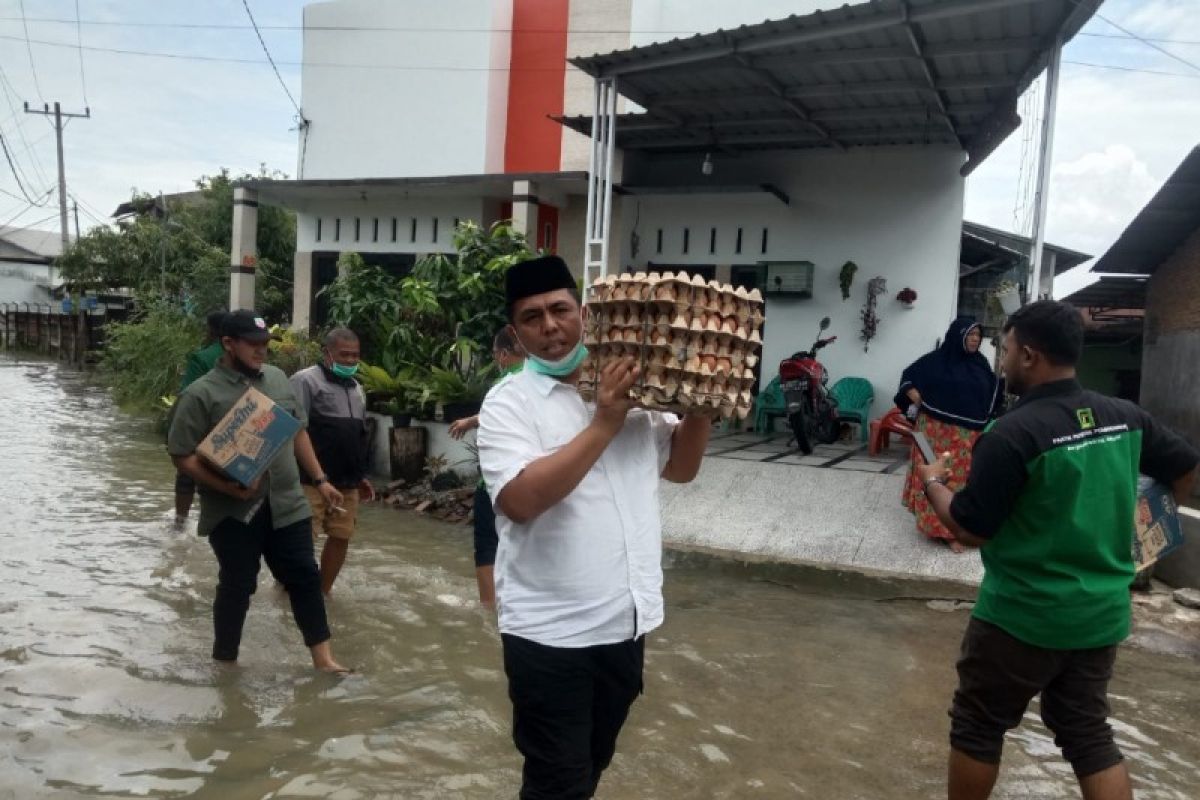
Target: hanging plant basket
1008, 295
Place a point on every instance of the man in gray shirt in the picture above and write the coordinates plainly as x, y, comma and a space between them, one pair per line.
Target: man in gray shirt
336, 409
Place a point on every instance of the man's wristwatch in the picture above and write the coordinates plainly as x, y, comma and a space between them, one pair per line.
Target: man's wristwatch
320, 480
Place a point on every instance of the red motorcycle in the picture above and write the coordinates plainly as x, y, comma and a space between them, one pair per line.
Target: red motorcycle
811, 410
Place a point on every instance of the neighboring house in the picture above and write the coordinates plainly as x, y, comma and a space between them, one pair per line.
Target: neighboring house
1113, 311
27, 264
764, 154
1162, 244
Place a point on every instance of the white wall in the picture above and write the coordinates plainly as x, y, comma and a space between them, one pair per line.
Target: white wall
663, 20
445, 118
897, 213
423, 210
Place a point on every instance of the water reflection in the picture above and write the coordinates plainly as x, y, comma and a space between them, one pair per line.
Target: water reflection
765, 682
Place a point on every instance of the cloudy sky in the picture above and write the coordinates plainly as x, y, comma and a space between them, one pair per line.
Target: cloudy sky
1128, 112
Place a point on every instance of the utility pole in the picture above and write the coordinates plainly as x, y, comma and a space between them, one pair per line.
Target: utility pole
75, 208
58, 115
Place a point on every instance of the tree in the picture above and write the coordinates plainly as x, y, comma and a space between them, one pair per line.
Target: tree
183, 259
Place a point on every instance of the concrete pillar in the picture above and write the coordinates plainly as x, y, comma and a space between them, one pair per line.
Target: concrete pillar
525, 211
243, 257
302, 291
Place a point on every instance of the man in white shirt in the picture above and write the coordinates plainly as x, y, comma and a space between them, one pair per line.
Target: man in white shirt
578, 569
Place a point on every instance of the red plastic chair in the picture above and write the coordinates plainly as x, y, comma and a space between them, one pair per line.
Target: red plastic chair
881, 430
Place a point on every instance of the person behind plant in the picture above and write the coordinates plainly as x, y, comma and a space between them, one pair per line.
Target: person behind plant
579, 564
1050, 501
198, 364
336, 408
949, 395
509, 356
270, 519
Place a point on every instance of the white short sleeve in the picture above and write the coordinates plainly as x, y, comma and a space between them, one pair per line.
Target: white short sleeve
507, 437
663, 426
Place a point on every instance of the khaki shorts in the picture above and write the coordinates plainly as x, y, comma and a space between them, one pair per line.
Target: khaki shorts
328, 521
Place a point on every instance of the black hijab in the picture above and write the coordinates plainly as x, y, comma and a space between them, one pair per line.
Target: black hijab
957, 387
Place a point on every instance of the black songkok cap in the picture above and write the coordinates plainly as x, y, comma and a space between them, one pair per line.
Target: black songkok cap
536, 276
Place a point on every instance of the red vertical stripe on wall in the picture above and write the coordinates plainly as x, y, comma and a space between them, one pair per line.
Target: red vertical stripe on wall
533, 142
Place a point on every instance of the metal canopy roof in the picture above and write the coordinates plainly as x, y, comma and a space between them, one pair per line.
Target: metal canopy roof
976, 237
885, 72
1161, 226
1112, 292
500, 185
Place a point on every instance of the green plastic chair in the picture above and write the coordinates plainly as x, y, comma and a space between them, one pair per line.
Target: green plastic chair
768, 405
854, 397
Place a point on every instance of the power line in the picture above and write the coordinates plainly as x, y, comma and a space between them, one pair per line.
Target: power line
22, 213
246, 5
1135, 38
13, 168
29, 50
10, 96
1144, 41
79, 48
1132, 69
236, 60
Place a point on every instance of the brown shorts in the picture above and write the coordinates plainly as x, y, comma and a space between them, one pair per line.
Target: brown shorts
329, 522
999, 674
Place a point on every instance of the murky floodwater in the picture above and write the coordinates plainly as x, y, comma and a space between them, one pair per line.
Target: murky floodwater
764, 682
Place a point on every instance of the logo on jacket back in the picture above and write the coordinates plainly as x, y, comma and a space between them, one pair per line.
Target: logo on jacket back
1087, 420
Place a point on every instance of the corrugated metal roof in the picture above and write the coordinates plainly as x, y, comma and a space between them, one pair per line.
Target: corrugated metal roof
886, 72
1162, 225
1110, 292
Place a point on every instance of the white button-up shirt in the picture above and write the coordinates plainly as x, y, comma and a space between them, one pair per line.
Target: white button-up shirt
588, 570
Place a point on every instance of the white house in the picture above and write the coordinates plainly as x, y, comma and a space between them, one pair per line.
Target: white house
27, 264
764, 153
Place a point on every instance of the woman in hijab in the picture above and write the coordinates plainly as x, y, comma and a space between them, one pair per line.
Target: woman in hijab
950, 394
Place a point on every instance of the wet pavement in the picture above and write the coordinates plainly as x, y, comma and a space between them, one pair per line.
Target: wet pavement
770, 682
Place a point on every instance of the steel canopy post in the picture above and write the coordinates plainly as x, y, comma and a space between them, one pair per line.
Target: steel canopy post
600, 165
1045, 154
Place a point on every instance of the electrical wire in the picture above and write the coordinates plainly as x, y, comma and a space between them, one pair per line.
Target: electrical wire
13, 168
10, 97
250, 14
79, 49
22, 213
29, 50
236, 60
1143, 40
1132, 69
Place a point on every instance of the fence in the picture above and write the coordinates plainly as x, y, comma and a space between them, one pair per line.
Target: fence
43, 328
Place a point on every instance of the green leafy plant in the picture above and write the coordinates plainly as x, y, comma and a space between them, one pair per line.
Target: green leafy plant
846, 278
143, 358
292, 351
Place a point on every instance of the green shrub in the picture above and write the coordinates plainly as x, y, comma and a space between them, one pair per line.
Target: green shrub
143, 359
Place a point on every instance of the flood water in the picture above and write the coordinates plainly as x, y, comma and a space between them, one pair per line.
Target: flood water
764, 682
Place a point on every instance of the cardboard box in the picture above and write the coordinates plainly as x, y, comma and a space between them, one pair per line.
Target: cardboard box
1156, 526
249, 437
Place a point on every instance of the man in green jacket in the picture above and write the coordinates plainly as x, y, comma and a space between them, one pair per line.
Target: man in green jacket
1050, 501
270, 520
198, 364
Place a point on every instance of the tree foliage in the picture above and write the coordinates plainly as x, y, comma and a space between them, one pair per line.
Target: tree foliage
183, 259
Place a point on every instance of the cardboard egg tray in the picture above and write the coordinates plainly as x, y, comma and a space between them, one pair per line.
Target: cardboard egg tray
696, 341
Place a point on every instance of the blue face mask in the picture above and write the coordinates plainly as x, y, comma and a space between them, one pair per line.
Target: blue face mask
560, 368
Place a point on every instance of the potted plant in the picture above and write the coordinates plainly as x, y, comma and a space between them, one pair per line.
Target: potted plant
907, 297
1008, 295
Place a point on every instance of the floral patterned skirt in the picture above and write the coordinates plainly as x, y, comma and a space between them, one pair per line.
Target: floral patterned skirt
943, 437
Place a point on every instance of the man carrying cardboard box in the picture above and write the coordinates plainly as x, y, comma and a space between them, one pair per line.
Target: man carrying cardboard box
269, 519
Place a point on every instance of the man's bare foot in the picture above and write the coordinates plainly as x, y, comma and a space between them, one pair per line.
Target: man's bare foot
956, 546
323, 661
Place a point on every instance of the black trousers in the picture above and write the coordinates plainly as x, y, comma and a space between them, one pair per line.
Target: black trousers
999, 674
568, 706
486, 538
288, 552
